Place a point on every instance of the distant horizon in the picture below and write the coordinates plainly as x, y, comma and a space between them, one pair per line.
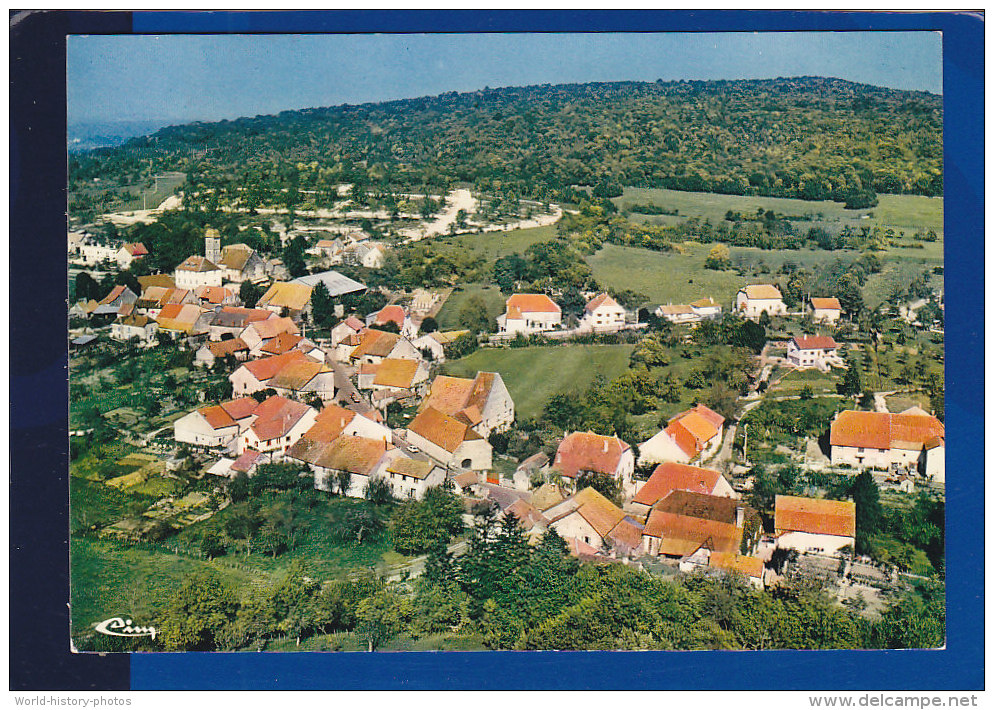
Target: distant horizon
175, 79
181, 121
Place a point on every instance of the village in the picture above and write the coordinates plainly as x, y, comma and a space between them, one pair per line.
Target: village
365, 408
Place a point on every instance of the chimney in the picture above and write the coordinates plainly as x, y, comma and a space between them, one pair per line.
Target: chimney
605, 446
739, 516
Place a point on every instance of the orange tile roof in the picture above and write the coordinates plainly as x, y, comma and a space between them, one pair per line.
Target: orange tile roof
627, 534
213, 294
266, 368
178, 316
330, 423
676, 310
442, 430
815, 515
240, 408
691, 433
292, 296
530, 303
701, 505
376, 343
682, 535
284, 342
602, 514
114, 294
815, 342
395, 372
277, 416
271, 327
354, 323
715, 419
217, 417
355, 454
882, 430
704, 303
227, 347
762, 292
829, 304
586, 451
734, 562
671, 476
297, 373
598, 301
391, 314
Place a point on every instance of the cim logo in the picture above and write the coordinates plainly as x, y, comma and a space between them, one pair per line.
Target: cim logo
122, 627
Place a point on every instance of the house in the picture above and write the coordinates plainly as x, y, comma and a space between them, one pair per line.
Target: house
211, 296
671, 476
814, 524
374, 346
706, 308
691, 435
259, 332
680, 313
368, 254
585, 451
111, 303
809, 351
932, 463
181, 319
602, 314
155, 298
825, 310
158, 280
396, 374
592, 519
329, 248
685, 521
449, 440
352, 458
197, 271
423, 301
708, 562
216, 425
752, 300
135, 326
129, 252
882, 439
95, 254
483, 402
410, 478
393, 314
349, 326
334, 421
209, 353
247, 463
232, 320
529, 313
240, 262
534, 465
286, 298
436, 342
278, 424
291, 374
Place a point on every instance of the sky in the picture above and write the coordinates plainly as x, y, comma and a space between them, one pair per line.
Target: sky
182, 78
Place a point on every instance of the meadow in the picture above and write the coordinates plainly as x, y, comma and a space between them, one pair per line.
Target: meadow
490, 246
448, 316
534, 374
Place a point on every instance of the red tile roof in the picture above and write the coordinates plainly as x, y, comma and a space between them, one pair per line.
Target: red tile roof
136, 249
826, 304
376, 343
734, 562
391, 314
227, 347
882, 430
240, 408
815, 515
683, 535
598, 301
277, 416
442, 430
815, 342
521, 303
284, 342
671, 476
216, 417
246, 461
586, 451
114, 294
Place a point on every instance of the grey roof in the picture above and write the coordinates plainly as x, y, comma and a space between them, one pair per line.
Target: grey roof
336, 283
84, 339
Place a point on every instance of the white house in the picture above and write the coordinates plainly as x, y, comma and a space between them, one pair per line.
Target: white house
197, 271
393, 314
589, 518
449, 441
602, 314
290, 374
94, 254
752, 300
679, 313
352, 459
216, 425
691, 435
825, 310
134, 326
436, 342
814, 524
671, 476
130, 252
882, 439
706, 308
240, 262
530, 313
410, 478
814, 351
349, 326
584, 451
483, 401
932, 463
374, 346
278, 424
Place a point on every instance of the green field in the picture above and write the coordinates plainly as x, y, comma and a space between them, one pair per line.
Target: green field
900, 211
819, 382
490, 246
448, 316
534, 374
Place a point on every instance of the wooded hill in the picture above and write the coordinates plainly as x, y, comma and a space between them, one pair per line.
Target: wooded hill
812, 138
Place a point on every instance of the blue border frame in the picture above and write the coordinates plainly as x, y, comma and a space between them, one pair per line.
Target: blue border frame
38, 389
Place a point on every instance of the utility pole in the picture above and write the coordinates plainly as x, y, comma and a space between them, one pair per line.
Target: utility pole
745, 443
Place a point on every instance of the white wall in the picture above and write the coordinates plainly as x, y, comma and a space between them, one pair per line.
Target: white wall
809, 542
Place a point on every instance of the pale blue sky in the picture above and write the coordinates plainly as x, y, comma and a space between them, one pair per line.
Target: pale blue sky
210, 77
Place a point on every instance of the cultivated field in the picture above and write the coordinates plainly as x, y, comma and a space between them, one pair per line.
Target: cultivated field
534, 374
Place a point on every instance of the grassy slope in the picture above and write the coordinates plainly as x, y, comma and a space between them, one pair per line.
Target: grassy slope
490, 246
448, 316
533, 374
